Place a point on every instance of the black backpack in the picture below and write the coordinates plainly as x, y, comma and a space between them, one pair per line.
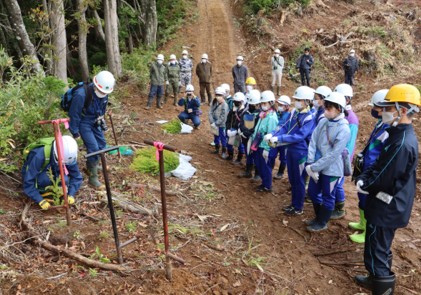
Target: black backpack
67, 98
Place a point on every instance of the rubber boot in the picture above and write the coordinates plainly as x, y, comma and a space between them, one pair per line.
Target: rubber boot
175, 100
247, 173
359, 237
224, 154
148, 105
230, 156
216, 151
322, 220
364, 281
359, 225
277, 90
281, 171
339, 211
256, 175
384, 285
238, 160
313, 221
158, 102
93, 174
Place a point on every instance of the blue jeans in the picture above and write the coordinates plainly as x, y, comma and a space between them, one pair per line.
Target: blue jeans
264, 170
323, 192
93, 138
183, 116
156, 90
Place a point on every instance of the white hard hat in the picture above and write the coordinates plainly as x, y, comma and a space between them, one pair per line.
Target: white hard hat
323, 91
69, 151
336, 97
345, 89
172, 56
253, 97
239, 96
304, 92
378, 96
185, 52
267, 96
352, 51
277, 51
240, 58
189, 88
284, 100
160, 57
104, 81
226, 87
219, 91
204, 56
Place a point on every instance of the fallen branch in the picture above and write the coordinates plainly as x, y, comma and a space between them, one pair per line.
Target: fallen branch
154, 188
298, 232
345, 263
57, 249
129, 206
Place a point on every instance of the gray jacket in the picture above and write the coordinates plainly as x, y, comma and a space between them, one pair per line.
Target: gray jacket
218, 113
327, 143
239, 74
277, 63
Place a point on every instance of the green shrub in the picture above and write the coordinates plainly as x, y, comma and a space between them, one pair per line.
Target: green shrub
145, 161
136, 66
172, 127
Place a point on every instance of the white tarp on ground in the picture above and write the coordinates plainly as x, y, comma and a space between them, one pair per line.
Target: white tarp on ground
185, 170
186, 128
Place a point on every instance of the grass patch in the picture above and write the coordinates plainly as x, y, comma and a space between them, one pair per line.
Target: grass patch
172, 127
145, 161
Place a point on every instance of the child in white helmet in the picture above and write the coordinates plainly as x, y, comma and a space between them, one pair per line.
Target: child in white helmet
218, 112
233, 122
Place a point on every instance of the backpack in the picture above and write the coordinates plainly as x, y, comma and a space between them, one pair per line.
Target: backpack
66, 98
47, 143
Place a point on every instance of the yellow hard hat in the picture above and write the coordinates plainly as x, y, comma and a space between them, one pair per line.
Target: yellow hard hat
251, 81
404, 93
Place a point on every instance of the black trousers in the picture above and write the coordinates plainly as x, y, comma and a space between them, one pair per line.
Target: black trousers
205, 87
349, 78
377, 253
305, 76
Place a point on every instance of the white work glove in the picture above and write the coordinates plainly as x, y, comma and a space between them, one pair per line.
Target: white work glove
267, 137
312, 174
274, 139
360, 183
168, 83
265, 155
213, 125
179, 83
231, 133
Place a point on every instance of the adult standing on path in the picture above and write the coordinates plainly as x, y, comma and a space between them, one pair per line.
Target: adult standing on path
240, 74
204, 73
391, 187
186, 67
158, 76
304, 63
277, 64
173, 75
350, 66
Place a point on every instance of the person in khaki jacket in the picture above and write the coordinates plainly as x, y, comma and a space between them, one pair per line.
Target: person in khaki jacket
158, 76
204, 73
173, 82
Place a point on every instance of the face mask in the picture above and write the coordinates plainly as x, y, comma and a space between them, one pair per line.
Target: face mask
172, 62
330, 114
352, 54
239, 62
184, 56
375, 114
220, 99
204, 60
388, 118
252, 108
298, 105
234, 108
249, 88
265, 108
159, 62
100, 94
281, 109
316, 104
276, 55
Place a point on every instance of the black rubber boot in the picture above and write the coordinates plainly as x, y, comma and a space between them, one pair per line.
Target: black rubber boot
339, 211
322, 220
216, 151
238, 160
384, 285
224, 154
247, 173
230, 156
277, 91
313, 221
364, 281
158, 102
256, 175
281, 171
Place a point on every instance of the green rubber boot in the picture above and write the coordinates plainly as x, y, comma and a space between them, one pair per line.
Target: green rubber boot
359, 225
93, 175
358, 238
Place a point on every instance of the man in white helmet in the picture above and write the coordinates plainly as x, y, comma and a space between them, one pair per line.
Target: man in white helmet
277, 65
239, 74
40, 159
350, 65
158, 76
204, 73
173, 83
191, 104
186, 67
87, 119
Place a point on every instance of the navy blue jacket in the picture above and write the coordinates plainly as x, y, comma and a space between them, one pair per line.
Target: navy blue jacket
393, 173
77, 114
302, 62
35, 179
193, 103
234, 118
350, 64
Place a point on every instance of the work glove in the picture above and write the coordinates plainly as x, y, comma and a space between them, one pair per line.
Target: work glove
168, 83
266, 155
274, 139
44, 205
213, 125
267, 137
179, 83
70, 200
231, 133
360, 183
312, 174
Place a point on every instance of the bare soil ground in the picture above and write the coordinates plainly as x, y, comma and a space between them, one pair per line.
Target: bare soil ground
234, 240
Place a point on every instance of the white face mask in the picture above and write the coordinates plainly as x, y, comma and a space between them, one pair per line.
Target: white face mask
264, 108
100, 94
234, 108
239, 62
184, 56
352, 54
249, 88
204, 60
281, 109
316, 104
276, 54
388, 117
160, 62
298, 105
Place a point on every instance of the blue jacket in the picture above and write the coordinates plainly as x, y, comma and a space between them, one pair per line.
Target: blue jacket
190, 103
319, 115
326, 146
77, 113
375, 144
35, 179
297, 131
394, 173
305, 62
350, 64
283, 118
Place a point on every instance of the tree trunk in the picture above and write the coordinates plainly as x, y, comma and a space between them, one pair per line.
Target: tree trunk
59, 41
98, 28
21, 34
83, 32
111, 37
150, 25
48, 62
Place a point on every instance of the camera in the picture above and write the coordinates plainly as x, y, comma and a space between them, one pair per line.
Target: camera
100, 123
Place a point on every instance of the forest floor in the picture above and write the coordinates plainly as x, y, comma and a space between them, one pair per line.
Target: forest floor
234, 240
